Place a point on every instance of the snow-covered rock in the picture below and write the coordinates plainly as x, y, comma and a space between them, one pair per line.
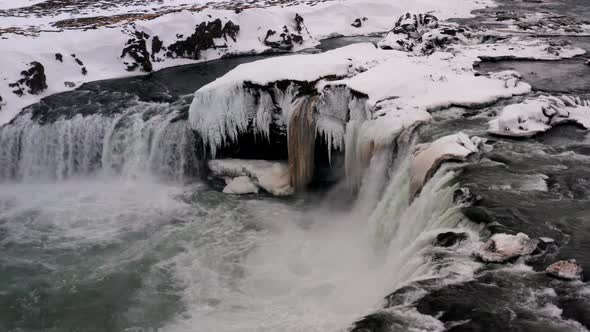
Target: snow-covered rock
538, 115
501, 248
272, 176
422, 35
566, 269
240, 185
429, 156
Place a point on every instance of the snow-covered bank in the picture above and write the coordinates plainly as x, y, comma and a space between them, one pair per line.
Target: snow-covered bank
77, 45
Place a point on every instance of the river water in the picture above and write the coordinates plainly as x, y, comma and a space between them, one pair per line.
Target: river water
107, 225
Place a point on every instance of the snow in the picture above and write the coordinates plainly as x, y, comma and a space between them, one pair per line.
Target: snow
272, 176
428, 157
538, 115
37, 36
240, 185
503, 247
9, 4
437, 81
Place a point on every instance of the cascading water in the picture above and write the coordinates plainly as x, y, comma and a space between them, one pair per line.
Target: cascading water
146, 139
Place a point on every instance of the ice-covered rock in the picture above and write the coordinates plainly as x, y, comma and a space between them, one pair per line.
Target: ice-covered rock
538, 115
566, 269
240, 185
272, 176
501, 248
429, 156
289, 36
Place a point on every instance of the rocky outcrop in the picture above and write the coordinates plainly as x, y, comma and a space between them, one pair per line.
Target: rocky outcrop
33, 80
288, 37
407, 32
566, 269
135, 52
208, 35
502, 248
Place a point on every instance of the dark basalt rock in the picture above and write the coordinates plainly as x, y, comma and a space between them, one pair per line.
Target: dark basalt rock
157, 46
59, 57
449, 239
136, 49
203, 39
33, 79
358, 22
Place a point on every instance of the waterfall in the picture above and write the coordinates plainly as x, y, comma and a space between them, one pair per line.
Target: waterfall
131, 144
301, 142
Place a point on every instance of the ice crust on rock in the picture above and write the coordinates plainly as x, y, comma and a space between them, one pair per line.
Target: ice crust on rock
538, 115
429, 156
271, 176
566, 269
501, 247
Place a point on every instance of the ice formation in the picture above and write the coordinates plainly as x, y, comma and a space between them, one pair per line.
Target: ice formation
538, 115
240, 185
357, 98
501, 248
428, 157
271, 176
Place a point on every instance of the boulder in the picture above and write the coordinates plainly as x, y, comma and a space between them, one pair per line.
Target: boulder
501, 248
566, 269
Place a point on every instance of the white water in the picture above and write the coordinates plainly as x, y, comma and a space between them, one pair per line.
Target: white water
320, 270
125, 144
234, 264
